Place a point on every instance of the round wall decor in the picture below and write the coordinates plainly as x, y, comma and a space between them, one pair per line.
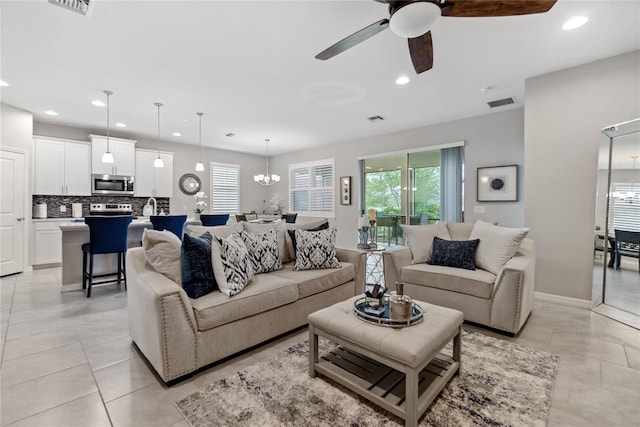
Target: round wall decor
189, 184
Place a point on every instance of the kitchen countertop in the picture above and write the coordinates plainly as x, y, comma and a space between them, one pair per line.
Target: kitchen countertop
80, 225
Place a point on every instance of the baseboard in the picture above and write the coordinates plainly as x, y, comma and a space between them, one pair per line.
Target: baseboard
559, 299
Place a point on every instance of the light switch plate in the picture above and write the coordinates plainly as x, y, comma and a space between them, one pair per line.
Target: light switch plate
478, 209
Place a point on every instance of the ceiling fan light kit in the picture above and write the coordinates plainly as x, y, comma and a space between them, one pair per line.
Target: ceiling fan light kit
413, 19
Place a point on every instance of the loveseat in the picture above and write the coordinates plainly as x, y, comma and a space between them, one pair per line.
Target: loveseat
498, 293
178, 334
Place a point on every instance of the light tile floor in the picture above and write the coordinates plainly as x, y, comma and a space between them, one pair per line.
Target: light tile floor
68, 361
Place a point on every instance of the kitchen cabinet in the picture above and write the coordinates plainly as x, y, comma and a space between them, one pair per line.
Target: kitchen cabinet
151, 181
62, 167
47, 242
124, 154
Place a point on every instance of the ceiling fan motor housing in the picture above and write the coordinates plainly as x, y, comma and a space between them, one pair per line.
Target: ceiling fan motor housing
410, 19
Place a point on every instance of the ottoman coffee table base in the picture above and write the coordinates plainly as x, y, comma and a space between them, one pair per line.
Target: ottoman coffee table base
399, 388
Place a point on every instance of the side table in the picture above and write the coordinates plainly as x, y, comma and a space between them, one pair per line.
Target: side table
375, 265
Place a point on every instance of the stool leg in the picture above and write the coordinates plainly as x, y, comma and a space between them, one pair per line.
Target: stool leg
84, 270
124, 269
90, 276
119, 267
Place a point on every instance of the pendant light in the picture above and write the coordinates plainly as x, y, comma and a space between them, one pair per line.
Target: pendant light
267, 179
199, 165
158, 162
107, 157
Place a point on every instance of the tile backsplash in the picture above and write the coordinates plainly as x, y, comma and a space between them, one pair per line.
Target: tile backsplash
54, 203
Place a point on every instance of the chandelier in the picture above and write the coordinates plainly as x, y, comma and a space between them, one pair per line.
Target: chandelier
267, 179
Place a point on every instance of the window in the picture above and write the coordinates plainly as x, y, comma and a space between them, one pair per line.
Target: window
225, 188
625, 207
311, 191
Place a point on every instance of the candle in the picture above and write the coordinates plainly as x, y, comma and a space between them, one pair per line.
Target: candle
372, 214
362, 222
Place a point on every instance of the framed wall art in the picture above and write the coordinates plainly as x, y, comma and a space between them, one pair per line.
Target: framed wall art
498, 184
345, 190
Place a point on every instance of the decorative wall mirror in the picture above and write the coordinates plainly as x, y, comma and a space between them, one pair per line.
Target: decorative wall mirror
189, 184
616, 278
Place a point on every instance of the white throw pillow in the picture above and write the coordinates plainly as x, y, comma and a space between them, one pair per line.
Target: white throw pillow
497, 244
162, 251
420, 239
220, 231
231, 264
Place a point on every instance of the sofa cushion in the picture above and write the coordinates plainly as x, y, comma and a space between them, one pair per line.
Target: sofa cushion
459, 230
311, 282
454, 253
289, 253
316, 249
220, 231
420, 239
231, 264
162, 251
478, 283
278, 226
497, 244
263, 251
197, 273
265, 292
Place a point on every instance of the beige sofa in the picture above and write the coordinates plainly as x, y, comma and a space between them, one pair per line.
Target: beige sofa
502, 299
179, 335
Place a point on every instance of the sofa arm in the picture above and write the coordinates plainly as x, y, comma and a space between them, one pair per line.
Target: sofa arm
358, 258
161, 320
394, 259
512, 299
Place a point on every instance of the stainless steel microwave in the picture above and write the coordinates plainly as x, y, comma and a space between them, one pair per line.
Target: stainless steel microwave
116, 185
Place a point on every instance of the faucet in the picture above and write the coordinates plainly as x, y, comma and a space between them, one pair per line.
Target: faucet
155, 205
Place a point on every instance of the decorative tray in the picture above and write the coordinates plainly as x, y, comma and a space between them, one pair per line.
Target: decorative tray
384, 318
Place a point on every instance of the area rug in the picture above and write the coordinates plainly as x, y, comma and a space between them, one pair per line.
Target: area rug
501, 384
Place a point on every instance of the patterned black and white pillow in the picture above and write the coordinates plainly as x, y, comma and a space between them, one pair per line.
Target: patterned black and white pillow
263, 250
231, 264
316, 249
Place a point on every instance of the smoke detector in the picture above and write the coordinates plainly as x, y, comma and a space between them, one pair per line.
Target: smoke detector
83, 7
374, 119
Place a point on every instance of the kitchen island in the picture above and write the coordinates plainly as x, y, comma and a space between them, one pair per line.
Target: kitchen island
75, 234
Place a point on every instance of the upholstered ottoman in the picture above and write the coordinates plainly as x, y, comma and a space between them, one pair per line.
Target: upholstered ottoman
400, 370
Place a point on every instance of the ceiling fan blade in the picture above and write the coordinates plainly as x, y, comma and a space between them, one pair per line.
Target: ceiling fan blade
421, 51
488, 8
353, 39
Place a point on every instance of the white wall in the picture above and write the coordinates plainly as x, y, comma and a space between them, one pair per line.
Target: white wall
564, 112
491, 140
184, 160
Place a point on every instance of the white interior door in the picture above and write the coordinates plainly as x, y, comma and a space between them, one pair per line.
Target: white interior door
12, 215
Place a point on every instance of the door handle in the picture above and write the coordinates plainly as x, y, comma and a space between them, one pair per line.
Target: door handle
20, 219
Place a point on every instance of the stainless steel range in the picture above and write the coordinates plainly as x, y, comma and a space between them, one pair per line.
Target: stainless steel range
110, 209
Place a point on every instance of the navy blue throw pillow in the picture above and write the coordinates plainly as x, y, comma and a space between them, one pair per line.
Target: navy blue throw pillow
292, 233
197, 271
454, 253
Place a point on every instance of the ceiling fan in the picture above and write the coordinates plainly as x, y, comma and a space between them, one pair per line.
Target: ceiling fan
413, 20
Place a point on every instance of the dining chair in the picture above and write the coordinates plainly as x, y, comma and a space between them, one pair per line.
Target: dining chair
214, 219
173, 223
107, 235
627, 244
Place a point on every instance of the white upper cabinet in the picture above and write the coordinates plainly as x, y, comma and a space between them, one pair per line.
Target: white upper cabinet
124, 154
62, 167
151, 181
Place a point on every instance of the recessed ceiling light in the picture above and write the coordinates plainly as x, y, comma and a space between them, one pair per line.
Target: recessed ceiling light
3, 83
402, 80
98, 103
121, 125
575, 22
177, 134
51, 113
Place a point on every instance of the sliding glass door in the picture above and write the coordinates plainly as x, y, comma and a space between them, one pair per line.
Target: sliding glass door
407, 188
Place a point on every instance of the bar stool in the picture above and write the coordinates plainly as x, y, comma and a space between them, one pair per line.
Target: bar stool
211, 220
107, 234
173, 223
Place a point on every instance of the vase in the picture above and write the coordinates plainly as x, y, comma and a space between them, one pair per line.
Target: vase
197, 216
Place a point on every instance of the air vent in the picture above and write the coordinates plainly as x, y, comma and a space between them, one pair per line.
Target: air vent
500, 102
83, 7
230, 135
374, 119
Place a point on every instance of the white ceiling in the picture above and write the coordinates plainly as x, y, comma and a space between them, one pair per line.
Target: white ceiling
250, 67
